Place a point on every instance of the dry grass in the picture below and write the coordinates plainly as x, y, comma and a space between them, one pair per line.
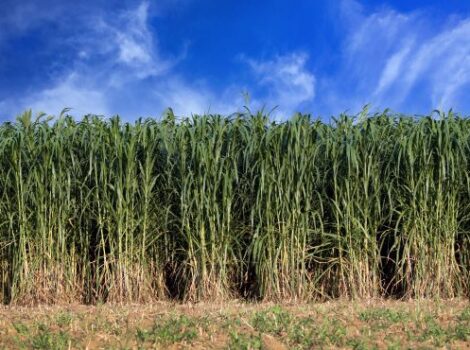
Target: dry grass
373, 324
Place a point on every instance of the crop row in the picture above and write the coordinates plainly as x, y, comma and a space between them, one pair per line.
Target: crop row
213, 207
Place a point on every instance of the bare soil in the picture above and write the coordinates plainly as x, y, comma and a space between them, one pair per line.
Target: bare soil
369, 324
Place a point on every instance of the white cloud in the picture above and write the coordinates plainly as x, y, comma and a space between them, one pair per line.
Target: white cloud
384, 27
404, 60
130, 41
443, 61
197, 98
69, 93
135, 41
289, 82
118, 67
285, 79
117, 51
456, 85
392, 69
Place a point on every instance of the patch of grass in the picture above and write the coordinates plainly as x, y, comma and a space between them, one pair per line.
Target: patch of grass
360, 344
428, 329
332, 331
21, 328
394, 345
274, 320
47, 340
302, 333
64, 319
383, 314
171, 330
382, 318
465, 315
462, 332
244, 341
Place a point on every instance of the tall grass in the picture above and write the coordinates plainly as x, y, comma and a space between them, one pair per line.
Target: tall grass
212, 207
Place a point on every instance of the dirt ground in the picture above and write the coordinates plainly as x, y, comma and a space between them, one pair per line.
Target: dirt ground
372, 324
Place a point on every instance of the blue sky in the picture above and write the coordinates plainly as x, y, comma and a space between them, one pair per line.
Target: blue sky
136, 58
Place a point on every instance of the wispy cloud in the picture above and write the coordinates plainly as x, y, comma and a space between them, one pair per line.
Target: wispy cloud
72, 92
125, 45
283, 81
117, 51
393, 68
288, 81
444, 62
187, 98
136, 44
404, 60
113, 62
119, 68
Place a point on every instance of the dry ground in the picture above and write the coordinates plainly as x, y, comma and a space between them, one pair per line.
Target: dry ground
374, 324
